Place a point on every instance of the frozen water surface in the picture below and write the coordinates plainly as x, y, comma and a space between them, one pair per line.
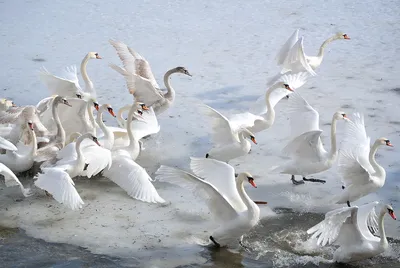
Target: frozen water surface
229, 47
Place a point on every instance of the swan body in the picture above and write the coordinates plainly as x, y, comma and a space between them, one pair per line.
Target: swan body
11, 180
292, 57
68, 84
22, 159
349, 227
308, 155
215, 182
144, 88
360, 173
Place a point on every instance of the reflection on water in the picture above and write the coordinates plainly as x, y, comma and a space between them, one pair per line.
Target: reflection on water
276, 242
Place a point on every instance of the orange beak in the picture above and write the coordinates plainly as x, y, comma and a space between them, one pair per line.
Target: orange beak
111, 111
345, 116
290, 89
251, 181
30, 126
253, 140
346, 37
144, 107
98, 57
389, 144
96, 105
392, 215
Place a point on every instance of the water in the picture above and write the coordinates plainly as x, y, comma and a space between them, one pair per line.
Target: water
229, 48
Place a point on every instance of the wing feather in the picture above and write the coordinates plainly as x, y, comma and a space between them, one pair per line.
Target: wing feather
283, 52
296, 59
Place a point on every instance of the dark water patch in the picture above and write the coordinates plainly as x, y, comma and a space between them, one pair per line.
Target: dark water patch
349, 77
371, 115
347, 106
394, 122
38, 60
395, 90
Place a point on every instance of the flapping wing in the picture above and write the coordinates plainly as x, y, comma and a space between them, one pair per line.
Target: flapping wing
220, 208
303, 117
353, 163
11, 180
283, 52
244, 120
221, 176
307, 147
329, 230
223, 132
134, 179
60, 185
367, 220
296, 59
97, 157
5, 144
143, 90
67, 86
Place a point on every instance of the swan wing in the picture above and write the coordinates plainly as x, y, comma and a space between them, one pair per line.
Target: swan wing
244, 120
143, 68
59, 184
148, 126
222, 176
133, 178
124, 54
223, 131
143, 90
63, 86
368, 220
307, 147
296, 59
5, 144
353, 162
97, 157
303, 117
11, 180
220, 208
339, 227
283, 52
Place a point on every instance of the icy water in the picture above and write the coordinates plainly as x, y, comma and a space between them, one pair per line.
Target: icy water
229, 47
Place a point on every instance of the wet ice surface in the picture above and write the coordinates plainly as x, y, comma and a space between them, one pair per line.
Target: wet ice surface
229, 47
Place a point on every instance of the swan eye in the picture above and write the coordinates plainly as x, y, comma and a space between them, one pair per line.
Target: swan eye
96, 54
79, 96
140, 112
250, 179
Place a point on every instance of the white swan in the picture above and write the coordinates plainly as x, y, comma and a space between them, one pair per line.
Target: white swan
11, 180
5, 144
349, 227
360, 172
120, 119
307, 153
144, 89
107, 140
68, 84
56, 142
19, 161
292, 57
225, 196
5, 104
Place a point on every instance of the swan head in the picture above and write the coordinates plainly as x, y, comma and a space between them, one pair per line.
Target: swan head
142, 106
250, 135
247, 176
94, 55
389, 209
341, 35
95, 140
110, 110
384, 141
60, 99
96, 105
30, 124
182, 70
339, 115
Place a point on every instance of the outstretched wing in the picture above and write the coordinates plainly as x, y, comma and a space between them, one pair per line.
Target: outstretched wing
222, 176
220, 208
64, 86
336, 224
283, 52
307, 147
148, 126
296, 59
60, 185
368, 220
134, 179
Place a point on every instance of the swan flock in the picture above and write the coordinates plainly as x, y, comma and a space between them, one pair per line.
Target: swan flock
64, 137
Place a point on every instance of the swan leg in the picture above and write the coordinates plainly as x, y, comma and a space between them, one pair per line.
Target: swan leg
207, 155
296, 182
348, 204
215, 242
343, 187
313, 180
86, 166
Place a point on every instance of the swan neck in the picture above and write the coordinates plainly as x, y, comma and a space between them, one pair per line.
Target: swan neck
60, 130
132, 139
246, 199
34, 142
372, 160
333, 138
324, 44
120, 119
170, 94
270, 115
90, 113
108, 135
381, 227
79, 151
88, 83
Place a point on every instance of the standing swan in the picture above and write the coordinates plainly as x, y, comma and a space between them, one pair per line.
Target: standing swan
306, 149
292, 58
349, 227
361, 174
144, 89
68, 84
224, 194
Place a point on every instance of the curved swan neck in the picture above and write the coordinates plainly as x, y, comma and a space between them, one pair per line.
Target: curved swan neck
132, 140
381, 227
60, 130
78, 149
88, 83
34, 142
170, 95
333, 138
270, 115
108, 135
120, 119
91, 116
324, 44
372, 160
246, 199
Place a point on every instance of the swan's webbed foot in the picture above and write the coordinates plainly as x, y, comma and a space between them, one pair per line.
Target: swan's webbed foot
348, 204
313, 180
86, 166
207, 155
296, 182
343, 187
215, 242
